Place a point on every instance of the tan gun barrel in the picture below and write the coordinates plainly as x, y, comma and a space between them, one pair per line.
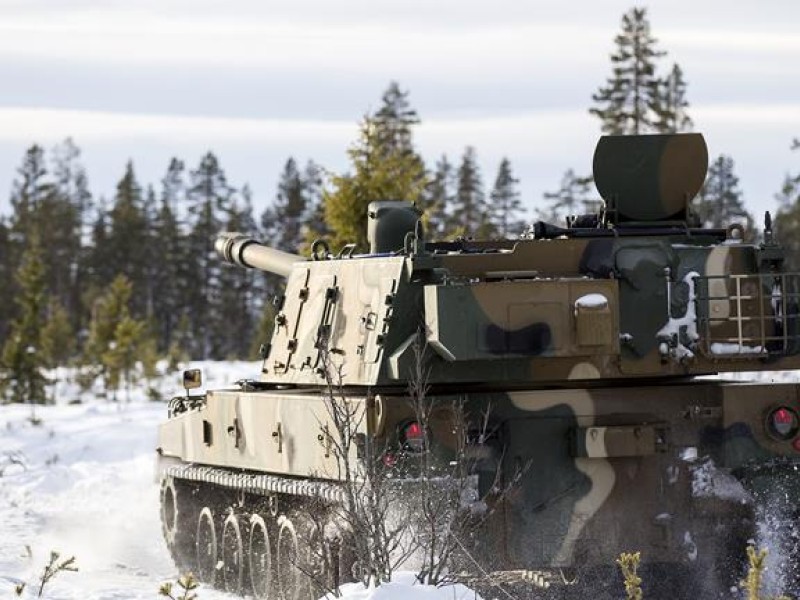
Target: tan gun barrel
243, 250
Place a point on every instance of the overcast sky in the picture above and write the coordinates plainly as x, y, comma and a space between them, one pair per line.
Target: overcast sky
257, 81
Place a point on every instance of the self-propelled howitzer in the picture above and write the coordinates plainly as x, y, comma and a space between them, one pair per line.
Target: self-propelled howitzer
584, 341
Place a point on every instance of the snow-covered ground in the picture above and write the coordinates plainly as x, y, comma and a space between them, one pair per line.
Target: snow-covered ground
82, 483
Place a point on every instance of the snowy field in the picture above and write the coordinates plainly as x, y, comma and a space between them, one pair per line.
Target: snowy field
82, 483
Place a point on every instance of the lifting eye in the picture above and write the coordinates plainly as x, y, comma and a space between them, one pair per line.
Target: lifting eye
782, 423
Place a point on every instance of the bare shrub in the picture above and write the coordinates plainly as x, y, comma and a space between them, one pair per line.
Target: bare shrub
379, 543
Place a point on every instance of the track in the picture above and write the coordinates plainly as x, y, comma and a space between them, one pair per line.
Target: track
258, 535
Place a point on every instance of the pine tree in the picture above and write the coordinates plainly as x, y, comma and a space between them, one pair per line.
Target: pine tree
719, 202
6, 278
29, 192
101, 267
470, 216
626, 104
127, 245
394, 121
181, 343
168, 253
173, 279
173, 187
574, 196
315, 225
506, 206
438, 199
23, 358
58, 337
283, 222
123, 352
789, 195
787, 219
385, 167
69, 233
209, 197
671, 104
108, 311
233, 326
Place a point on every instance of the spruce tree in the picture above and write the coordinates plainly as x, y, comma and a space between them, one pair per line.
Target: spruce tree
173, 187
127, 246
108, 310
789, 195
385, 167
438, 199
720, 202
168, 254
232, 327
470, 217
506, 207
116, 338
68, 215
29, 191
315, 225
6, 278
574, 196
122, 354
283, 222
23, 358
394, 121
101, 266
671, 104
58, 336
787, 219
209, 197
625, 105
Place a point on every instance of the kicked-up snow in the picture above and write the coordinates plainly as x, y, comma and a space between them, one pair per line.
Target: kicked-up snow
82, 483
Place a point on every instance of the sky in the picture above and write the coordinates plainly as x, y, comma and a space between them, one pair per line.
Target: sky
257, 81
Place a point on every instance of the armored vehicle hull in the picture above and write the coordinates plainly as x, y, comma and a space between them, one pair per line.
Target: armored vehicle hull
565, 365
673, 470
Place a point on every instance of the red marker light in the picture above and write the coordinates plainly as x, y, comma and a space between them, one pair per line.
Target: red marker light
783, 417
413, 431
412, 437
783, 423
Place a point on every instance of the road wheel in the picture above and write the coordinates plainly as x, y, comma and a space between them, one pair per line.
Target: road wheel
206, 547
233, 560
177, 522
259, 560
291, 579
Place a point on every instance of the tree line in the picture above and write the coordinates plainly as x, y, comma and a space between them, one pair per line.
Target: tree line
111, 282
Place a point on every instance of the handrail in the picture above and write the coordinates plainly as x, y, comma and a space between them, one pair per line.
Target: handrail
760, 319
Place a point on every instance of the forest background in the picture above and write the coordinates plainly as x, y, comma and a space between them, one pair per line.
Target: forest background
112, 282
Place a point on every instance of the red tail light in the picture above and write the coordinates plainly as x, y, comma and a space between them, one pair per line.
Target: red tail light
783, 423
412, 437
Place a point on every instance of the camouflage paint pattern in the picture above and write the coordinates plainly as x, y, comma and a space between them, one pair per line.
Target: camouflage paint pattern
582, 340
